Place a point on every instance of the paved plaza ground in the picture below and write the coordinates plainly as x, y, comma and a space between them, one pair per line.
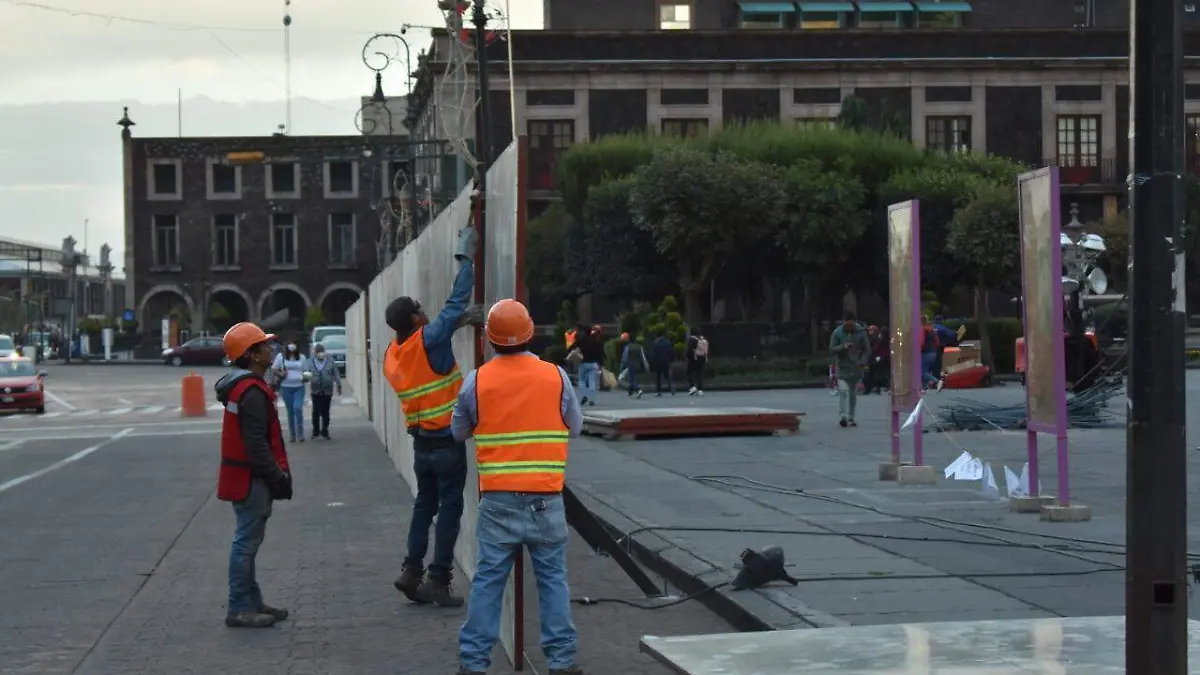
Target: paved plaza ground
113, 551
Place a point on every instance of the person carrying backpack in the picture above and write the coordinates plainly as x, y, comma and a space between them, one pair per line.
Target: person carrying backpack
697, 358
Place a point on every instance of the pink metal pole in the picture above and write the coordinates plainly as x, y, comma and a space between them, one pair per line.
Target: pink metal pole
1031, 445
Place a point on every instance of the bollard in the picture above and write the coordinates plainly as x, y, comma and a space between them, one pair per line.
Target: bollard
192, 403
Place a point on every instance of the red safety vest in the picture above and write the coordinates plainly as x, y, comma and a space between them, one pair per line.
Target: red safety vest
233, 484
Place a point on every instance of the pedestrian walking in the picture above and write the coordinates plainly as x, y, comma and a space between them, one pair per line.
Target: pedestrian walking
696, 354
633, 363
254, 469
662, 353
420, 366
879, 361
946, 338
324, 381
289, 369
521, 411
930, 348
849, 347
591, 348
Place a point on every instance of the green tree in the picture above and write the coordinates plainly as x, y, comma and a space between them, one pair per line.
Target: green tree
1115, 230
824, 217
613, 254
219, 317
985, 239
859, 114
313, 317
545, 254
699, 207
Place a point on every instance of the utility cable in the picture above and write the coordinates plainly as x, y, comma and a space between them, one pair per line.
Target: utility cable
165, 25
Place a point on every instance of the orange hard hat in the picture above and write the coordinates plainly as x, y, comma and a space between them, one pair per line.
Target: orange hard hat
241, 338
509, 324
624, 336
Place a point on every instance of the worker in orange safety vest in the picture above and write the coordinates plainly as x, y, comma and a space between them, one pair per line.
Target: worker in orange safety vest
421, 368
254, 468
521, 411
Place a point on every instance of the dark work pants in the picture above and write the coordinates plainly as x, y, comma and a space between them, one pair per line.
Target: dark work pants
440, 464
695, 373
320, 414
661, 375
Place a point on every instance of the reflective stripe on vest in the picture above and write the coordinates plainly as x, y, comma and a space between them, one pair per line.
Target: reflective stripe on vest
427, 397
520, 438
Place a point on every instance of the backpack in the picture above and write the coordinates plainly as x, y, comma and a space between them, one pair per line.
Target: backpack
701, 348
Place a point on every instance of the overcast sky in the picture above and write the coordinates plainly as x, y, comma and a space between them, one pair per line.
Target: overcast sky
68, 66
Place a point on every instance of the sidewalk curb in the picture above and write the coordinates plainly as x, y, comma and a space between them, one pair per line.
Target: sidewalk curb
763, 609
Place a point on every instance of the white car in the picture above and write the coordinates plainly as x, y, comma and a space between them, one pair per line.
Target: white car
335, 347
8, 347
319, 333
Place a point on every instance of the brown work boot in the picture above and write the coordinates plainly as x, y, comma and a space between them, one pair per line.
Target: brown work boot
439, 593
569, 670
408, 582
279, 614
249, 620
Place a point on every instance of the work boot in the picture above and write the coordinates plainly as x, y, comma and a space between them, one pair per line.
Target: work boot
409, 582
279, 614
569, 670
249, 620
438, 592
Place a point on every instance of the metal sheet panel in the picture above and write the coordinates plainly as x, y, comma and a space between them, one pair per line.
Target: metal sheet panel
1041, 277
904, 267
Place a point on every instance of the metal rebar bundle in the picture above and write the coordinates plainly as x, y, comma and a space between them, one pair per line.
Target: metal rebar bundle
1087, 409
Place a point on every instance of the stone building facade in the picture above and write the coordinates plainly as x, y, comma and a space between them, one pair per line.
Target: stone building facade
253, 225
1043, 97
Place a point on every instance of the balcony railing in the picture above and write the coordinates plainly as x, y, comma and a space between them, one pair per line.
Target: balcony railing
1102, 171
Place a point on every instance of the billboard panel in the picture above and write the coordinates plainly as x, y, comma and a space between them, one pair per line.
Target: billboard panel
1041, 277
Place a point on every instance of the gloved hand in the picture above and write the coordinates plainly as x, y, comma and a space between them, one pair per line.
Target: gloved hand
281, 487
472, 316
468, 243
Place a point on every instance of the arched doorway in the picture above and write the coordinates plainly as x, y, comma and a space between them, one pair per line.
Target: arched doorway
283, 308
336, 301
227, 306
166, 302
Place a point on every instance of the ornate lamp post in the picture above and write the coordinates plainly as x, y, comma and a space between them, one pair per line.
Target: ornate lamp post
70, 261
1081, 276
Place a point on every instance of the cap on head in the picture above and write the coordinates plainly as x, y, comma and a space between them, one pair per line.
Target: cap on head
241, 338
624, 336
399, 313
509, 324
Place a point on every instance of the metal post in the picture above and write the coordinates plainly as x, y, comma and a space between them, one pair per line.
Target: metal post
1156, 493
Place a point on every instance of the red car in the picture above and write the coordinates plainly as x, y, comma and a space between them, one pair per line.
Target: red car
22, 387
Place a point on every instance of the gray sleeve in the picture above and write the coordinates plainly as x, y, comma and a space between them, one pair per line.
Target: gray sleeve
256, 419
571, 411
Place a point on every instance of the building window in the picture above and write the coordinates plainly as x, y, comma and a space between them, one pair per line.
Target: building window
959, 94
817, 96
283, 240
166, 241
1192, 144
341, 179
868, 19
283, 180
683, 97
948, 133
673, 16
1078, 141
535, 98
224, 180
548, 140
685, 128
816, 123
225, 241
165, 179
762, 21
929, 17
342, 241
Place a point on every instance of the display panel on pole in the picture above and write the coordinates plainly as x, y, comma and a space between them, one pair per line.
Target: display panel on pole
904, 267
1042, 318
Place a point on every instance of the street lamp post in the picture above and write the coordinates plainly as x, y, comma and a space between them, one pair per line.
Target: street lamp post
70, 262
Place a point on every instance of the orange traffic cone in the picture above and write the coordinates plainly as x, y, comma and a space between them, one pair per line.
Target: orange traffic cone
192, 403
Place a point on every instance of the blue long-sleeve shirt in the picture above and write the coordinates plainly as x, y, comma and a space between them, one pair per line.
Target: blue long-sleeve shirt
466, 414
440, 331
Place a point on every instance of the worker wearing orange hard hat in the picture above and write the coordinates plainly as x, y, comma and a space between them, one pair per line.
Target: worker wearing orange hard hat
254, 468
521, 411
420, 366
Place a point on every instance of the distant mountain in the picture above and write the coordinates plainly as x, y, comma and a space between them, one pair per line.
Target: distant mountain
61, 162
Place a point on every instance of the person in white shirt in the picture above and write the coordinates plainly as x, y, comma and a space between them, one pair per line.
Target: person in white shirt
289, 368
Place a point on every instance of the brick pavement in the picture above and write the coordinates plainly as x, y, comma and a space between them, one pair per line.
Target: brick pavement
134, 582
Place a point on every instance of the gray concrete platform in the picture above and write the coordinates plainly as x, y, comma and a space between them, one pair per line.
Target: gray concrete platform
1072, 646
626, 424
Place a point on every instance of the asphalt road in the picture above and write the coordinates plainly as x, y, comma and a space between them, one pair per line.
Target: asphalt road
113, 551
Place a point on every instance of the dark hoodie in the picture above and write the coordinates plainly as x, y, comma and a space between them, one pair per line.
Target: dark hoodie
254, 412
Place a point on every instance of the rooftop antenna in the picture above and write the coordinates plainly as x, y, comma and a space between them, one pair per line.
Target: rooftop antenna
287, 59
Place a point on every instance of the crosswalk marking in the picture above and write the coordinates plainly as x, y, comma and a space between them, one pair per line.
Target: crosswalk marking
215, 407
154, 409
120, 411
85, 413
340, 403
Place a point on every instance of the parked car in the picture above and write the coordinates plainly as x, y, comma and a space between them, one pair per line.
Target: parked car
8, 346
319, 333
201, 351
335, 347
22, 386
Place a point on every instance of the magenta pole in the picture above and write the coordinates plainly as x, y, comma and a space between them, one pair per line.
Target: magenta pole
896, 437
918, 442
1031, 444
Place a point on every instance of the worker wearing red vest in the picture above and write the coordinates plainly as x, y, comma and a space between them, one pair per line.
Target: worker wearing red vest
421, 368
254, 468
521, 411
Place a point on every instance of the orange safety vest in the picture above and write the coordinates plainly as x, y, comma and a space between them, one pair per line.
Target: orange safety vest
426, 396
520, 436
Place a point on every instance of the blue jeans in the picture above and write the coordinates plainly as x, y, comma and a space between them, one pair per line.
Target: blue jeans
293, 402
633, 381
589, 380
440, 465
508, 521
928, 360
252, 515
